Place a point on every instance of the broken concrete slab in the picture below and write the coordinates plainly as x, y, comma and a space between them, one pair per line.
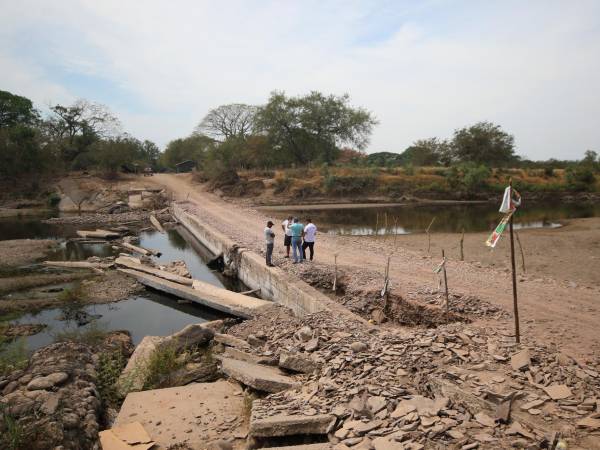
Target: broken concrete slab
190, 336
234, 353
134, 376
297, 362
286, 425
205, 294
231, 341
558, 391
261, 378
520, 360
199, 412
423, 405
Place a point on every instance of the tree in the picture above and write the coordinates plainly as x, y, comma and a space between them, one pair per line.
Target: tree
426, 152
193, 148
483, 143
384, 159
236, 120
112, 154
150, 153
591, 159
16, 110
313, 126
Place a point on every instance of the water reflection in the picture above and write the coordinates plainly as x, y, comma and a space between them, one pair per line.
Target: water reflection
451, 218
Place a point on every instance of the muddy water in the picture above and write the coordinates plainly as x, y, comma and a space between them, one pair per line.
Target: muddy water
150, 312
449, 218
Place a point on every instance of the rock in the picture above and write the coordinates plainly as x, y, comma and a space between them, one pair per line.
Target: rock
231, 341
50, 404
304, 334
376, 404
558, 391
254, 341
296, 362
403, 408
387, 443
262, 378
312, 345
286, 425
520, 360
365, 427
48, 381
589, 422
190, 336
358, 347
532, 404
485, 420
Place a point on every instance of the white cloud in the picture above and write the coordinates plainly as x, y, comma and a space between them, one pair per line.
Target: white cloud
423, 70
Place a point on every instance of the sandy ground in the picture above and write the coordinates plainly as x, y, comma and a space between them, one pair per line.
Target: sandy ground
552, 311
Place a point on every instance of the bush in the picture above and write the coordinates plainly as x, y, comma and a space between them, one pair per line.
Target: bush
13, 356
549, 171
161, 365
92, 335
409, 170
580, 178
282, 184
110, 366
475, 178
353, 184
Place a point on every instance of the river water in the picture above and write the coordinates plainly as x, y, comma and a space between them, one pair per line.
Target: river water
449, 218
148, 313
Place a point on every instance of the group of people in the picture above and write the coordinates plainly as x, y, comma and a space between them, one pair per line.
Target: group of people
297, 236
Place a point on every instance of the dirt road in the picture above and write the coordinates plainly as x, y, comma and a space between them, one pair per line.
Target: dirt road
551, 311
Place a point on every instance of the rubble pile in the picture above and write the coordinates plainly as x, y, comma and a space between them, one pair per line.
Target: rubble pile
455, 386
116, 218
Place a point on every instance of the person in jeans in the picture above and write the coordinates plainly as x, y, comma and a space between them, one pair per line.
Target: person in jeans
310, 231
287, 235
270, 241
297, 235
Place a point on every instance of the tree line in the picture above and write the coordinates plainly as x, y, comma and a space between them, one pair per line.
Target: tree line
79, 136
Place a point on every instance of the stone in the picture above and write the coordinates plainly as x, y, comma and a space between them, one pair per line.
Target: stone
589, 422
296, 362
50, 403
255, 341
191, 336
365, 427
376, 404
304, 334
262, 378
312, 345
520, 360
47, 382
231, 341
387, 443
358, 347
403, 408
286, 425
532, 404
485, 420
558, 391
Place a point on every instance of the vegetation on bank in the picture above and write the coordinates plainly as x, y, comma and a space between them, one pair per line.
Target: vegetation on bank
316, 134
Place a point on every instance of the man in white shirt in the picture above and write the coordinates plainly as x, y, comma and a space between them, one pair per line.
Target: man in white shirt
287, 240
270, 241
310, 231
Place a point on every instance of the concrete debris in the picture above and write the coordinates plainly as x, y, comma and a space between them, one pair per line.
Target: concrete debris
261, 378
383, 386
286, 425
296, 362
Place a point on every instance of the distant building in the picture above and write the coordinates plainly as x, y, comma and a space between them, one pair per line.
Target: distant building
185, 166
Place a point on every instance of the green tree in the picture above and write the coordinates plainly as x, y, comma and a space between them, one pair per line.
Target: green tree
21, 152
112, 154
192, 148
16, 110
425, 152
483, 143
384, 159
311, 127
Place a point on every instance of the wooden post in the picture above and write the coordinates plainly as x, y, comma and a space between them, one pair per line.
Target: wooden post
386, 284
445, 280
522, 253
428, 236
514, 274
462, 241
335, 274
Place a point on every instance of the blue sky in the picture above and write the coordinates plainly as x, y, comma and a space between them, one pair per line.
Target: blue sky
423, 68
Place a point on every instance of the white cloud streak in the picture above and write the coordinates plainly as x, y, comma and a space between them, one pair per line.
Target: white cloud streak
423, 70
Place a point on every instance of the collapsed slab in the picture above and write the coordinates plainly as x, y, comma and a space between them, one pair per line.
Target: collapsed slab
199, 412
261, 378
286, 425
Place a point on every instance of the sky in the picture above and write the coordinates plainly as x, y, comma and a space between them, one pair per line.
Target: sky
423, 68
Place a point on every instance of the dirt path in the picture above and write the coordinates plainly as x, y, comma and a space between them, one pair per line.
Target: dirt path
551, 311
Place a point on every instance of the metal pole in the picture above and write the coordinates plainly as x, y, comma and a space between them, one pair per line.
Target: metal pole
514, 275
445, 280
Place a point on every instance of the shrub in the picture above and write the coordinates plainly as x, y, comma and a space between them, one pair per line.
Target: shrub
548, 171
13, 356
409, 170
12, 436
475, 177
282, 184
161, 364
92, 335
353, 184
110, 366
580, 178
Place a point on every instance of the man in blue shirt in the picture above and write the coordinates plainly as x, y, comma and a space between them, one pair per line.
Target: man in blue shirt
297, 230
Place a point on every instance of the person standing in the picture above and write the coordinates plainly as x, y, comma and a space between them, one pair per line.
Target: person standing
297, 235
270, 241
287, 239
310, 231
